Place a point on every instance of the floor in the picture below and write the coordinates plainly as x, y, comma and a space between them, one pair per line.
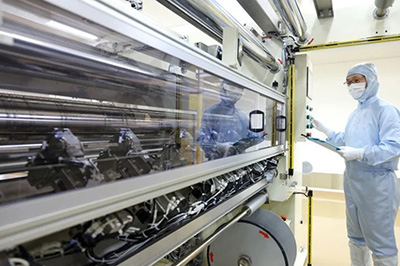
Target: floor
330, 246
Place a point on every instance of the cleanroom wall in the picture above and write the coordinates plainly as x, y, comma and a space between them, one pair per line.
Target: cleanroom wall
352, 20
333, 104
331, 100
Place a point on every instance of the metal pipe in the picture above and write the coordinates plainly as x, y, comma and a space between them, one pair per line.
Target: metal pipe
247, 210
44, 112
15, 148
271, 62
54, 62
383, 4
303, 26
212, 18
10, 122
285, 67
381, 11
293, 18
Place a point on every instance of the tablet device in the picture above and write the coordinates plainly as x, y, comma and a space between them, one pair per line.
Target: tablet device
323, 143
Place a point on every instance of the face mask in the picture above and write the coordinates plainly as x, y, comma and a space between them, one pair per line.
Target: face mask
231, 96
356, 90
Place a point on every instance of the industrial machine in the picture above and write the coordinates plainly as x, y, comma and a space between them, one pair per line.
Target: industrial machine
101, 157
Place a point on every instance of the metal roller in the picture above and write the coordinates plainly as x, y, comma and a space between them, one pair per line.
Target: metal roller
260, 239
212, 18
46, 66
293, 18
44, 113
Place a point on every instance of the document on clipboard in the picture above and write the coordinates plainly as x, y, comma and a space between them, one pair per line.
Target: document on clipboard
323, 143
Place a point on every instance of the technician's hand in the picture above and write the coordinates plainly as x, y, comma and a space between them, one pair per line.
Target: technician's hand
318, 125
350, 153
225, 148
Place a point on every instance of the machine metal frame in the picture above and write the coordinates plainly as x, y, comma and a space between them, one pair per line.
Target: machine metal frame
30, 219
140, 28
172, 241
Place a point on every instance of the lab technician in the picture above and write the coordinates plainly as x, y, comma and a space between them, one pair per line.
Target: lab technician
224, 124
371, 149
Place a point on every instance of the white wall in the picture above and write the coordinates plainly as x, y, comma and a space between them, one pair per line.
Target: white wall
352, 20
332, 104
331, 101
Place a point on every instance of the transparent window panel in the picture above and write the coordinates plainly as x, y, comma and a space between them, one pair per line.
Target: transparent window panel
224, 129
81, 106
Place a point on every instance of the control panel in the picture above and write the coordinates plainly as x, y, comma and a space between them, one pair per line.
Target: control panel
303, 97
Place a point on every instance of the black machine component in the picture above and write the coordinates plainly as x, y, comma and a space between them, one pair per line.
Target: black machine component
63, 162
136, 4
58, 150
170, 156
123, 159
110, 239
245, 143
181, 251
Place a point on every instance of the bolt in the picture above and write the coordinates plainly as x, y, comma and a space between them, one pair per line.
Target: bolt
244, 261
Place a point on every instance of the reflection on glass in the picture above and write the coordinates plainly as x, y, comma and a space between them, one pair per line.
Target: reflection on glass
224, 127
78, 112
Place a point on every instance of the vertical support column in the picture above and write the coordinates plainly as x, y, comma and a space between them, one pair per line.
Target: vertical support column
291, 119
231, 47
310, 213
273, 129
197, 104
178, 106
1, 12
199, 153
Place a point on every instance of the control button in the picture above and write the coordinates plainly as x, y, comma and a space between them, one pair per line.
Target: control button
309, 134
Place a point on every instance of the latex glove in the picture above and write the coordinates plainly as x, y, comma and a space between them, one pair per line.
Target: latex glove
225, 148
350, 153
318, 125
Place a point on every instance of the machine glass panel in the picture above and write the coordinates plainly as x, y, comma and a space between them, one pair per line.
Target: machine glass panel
81, 105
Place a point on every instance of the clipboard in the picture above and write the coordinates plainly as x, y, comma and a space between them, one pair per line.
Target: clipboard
323, 143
